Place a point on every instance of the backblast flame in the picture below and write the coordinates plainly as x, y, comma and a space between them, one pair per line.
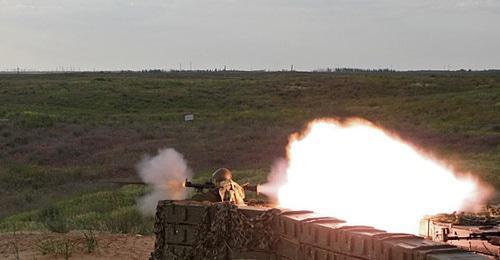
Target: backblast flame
357, 172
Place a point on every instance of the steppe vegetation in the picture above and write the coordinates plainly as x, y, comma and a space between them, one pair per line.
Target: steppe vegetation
64, 137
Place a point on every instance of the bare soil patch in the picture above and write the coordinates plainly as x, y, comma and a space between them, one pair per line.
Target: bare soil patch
110, 246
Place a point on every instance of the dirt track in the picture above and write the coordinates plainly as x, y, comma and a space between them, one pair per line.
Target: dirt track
110, 246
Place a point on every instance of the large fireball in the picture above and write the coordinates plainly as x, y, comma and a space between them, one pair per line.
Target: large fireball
357, 172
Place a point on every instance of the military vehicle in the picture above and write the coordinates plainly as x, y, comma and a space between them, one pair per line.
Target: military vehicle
478, 232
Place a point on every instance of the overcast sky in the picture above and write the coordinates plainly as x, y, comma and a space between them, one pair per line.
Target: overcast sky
250, 34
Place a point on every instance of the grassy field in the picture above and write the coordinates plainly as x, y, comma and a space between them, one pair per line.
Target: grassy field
63, 136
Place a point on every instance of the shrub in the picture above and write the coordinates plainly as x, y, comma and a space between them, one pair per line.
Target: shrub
123, 220
53, 219
56, 248
30, 119
90, 240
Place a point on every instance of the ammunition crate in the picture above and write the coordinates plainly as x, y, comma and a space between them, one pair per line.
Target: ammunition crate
184, 212
177, 251
289, 248
300, 235
180, 234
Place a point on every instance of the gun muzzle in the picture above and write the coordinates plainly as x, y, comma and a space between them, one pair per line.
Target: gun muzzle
254, 188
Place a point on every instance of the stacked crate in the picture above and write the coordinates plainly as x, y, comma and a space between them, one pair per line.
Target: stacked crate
177, 225
301, 235
306, 235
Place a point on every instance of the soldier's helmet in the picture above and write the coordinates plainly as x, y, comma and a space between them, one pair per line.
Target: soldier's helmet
222, 174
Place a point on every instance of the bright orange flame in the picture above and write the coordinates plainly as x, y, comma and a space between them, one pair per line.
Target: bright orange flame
357, 172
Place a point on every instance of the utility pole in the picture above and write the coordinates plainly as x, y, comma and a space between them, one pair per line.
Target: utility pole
291, 67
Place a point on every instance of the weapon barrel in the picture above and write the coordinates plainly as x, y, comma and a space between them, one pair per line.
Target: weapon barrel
209, 185
254, 188
127, 182
488, 236
199, 186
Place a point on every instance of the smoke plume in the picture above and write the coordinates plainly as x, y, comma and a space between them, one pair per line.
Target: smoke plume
275, 180
165, 174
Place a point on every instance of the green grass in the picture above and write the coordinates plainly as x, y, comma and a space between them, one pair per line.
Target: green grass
62, 136
114, 211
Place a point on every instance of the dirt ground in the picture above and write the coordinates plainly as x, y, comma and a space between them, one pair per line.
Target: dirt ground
109, 246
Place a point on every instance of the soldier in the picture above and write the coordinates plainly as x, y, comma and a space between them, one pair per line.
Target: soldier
225, 189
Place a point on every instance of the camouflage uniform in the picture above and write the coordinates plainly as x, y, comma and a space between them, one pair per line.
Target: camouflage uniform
231, 191
226, 189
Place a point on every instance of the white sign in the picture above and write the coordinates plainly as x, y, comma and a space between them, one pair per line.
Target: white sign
188, 117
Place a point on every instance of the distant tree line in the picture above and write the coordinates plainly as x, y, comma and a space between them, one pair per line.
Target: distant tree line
352, 70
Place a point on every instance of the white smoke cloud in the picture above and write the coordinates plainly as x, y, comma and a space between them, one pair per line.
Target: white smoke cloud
165, 173
275, 180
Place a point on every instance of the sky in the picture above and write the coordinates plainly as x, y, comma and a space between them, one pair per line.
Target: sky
249, 34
